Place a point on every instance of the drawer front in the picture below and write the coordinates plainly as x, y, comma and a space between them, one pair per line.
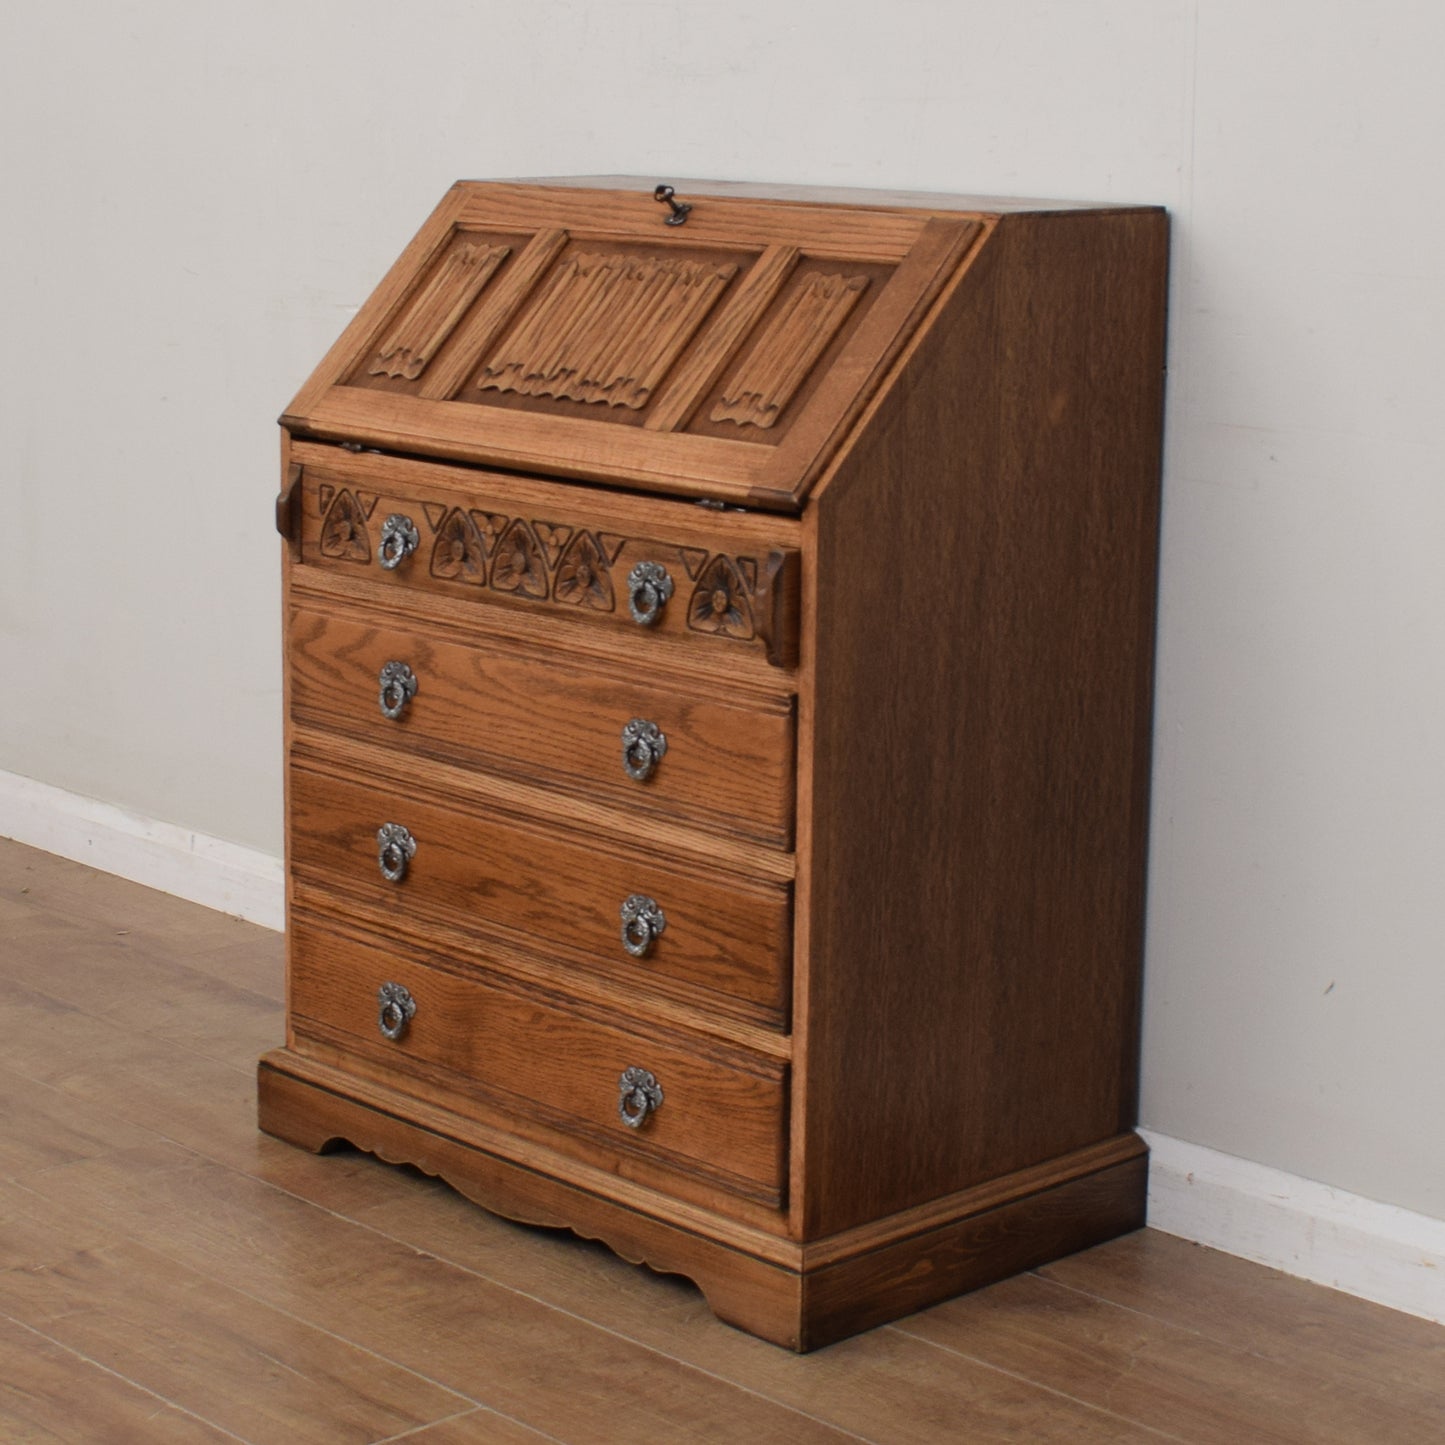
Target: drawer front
656, 569
511, 1058
722, 943
548, 722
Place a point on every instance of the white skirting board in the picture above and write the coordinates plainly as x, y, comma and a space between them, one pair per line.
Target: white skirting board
1375, 1251
241, 881
1310, 1230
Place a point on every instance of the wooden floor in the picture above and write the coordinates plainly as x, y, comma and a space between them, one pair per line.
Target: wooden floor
168, 1274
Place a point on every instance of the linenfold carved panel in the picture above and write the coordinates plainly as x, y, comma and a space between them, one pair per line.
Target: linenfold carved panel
606, 328
765, 380
434, 311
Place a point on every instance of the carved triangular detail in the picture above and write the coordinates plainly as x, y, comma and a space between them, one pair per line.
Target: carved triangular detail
517, 564
693, 559
553, 538
719, 603
368, 503
343, 530
458, 555
324, 494
582, 576
748, 566
611, 545
435, 511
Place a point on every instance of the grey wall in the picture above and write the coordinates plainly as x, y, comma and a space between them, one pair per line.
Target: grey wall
194, 199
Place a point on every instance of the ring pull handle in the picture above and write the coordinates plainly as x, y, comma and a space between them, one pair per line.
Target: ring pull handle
398, 687
399, 539
397, 1009
395, 848
639, 1094
642, 921
643, 744
648, 588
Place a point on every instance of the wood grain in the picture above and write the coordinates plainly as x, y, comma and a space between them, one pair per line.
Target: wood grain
457, 1329
133, 1310
980, 944
505, 1054
966, 408
695, 379
622, 235
562, 894
52, 1394
345, 1244
477, 544
1146, 1370
506, 710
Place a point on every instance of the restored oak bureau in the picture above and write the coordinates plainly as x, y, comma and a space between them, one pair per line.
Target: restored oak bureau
719, 635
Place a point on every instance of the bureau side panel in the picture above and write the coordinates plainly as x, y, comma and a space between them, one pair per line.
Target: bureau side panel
976, 790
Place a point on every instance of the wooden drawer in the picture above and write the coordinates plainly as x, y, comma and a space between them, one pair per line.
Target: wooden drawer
546, 720
723, 582
725, 943
501, 1054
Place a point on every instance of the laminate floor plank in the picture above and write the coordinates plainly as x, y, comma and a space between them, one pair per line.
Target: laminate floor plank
490, 1344
76, 891
884, 1385
1160, 1374
51, 1396
182, 1277
144, 983
45, 1127
153, 1083
1269, 1314
479, 1427
252, 1370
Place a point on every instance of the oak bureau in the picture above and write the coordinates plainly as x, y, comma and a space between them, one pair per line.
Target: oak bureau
719, 629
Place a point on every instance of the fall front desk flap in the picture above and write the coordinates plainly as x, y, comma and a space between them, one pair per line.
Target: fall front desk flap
575, 332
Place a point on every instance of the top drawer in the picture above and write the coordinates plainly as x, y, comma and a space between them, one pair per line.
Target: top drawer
716, 582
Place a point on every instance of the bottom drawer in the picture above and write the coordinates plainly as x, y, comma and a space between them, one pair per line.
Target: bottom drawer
539, 1066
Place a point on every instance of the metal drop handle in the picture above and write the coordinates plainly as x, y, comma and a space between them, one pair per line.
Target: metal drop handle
643, 744
395, 848
639, 1094
397, 1009
399, 539
642, 921
398, 687
648, 588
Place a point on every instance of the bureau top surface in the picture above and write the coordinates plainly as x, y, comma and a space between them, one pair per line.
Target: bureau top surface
567, 328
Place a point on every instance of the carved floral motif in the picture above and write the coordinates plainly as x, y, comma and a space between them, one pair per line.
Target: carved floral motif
343, 530
719, 602
517, 563
551, 561
458, 554
583, 578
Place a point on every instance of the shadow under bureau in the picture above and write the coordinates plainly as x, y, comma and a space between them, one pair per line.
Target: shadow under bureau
719, 634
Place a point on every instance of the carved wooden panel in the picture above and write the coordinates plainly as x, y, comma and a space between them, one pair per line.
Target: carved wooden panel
430, 316
780, 359
606, 328
557, 562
